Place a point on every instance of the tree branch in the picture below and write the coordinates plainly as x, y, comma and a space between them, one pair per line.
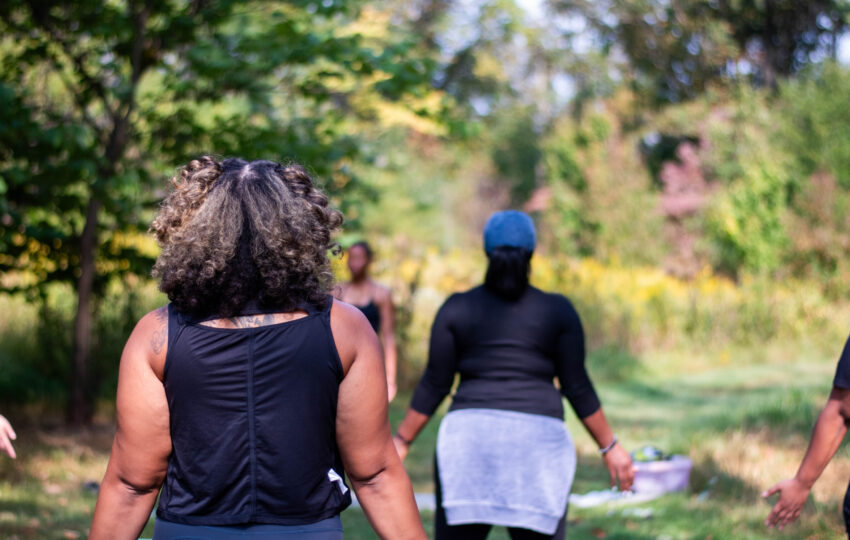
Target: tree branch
44, 20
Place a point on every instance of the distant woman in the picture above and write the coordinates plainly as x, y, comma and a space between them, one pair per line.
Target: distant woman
245, 402
504, 455
376, 303
829, 431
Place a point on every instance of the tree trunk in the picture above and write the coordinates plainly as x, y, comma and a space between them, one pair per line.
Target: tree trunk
81, 407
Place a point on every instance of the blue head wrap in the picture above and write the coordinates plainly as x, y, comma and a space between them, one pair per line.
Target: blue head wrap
510, 228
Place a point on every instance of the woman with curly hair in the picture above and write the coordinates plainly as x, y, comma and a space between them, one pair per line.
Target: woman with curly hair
245, 402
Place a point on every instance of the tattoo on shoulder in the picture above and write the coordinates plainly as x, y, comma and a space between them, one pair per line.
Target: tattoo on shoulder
160, 335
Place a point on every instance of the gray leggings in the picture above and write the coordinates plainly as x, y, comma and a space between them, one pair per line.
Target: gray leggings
328, 529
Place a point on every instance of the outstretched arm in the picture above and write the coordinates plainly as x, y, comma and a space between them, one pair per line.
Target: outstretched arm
142, 442
363, 431
829, 431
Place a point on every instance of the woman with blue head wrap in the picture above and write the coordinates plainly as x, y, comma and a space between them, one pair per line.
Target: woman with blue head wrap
504, 456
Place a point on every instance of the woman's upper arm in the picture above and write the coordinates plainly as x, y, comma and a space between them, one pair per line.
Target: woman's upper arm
142, 441
362, 425
842, 397
570, 367
436, 382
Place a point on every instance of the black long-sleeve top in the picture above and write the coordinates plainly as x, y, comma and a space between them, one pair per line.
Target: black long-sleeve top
842, 372
508, 355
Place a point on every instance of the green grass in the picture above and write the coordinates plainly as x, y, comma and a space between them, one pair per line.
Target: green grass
744, 419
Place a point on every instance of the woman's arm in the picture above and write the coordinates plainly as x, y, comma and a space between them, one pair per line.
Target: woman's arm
7, 435
408, 430
363, 431
617, 460
829, 431
436, 382
384, 300
578, 389
142, 441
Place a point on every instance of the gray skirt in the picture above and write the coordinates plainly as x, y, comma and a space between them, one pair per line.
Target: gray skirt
505, 468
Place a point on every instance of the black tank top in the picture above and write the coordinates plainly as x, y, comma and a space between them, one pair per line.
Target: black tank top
373, 315
253, 415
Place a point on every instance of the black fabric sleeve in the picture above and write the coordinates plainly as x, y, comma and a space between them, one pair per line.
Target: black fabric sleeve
436, 382
842, 372
569, 364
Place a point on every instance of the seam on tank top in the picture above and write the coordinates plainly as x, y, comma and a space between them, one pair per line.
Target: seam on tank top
168, 356
171, 342
340, 371
252, 431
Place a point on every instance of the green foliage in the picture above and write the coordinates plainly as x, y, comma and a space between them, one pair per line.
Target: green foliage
746, 222
35, 361
611, 364
126, 94
599, 199
814, 123
516, 152
680, 49
99, 99
569, 222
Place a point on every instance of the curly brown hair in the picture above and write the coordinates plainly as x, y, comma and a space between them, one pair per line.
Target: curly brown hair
234, 232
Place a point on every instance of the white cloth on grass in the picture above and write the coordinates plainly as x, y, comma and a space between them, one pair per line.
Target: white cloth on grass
505, 468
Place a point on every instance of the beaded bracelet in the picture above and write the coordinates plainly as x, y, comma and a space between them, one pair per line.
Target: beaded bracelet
607, 449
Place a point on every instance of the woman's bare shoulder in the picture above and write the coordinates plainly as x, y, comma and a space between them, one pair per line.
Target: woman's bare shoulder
347, 317
381, 293
149, 339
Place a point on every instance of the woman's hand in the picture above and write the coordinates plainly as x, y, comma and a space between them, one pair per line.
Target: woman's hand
826, 438
618, 461
792, 496
401, 447
392, 389
620, 467
7, 435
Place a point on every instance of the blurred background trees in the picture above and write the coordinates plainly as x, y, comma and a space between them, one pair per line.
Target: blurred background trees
100, 101
700, 141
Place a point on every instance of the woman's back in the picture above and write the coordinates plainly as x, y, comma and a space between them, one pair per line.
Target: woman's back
239, 421
253, 415
507, 353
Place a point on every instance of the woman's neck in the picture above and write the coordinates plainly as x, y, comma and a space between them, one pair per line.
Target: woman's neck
360, 281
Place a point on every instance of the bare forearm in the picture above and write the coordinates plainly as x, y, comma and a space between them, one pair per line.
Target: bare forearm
121, 512
390, 358
411, 425
387, 499
597, 426
829, 431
